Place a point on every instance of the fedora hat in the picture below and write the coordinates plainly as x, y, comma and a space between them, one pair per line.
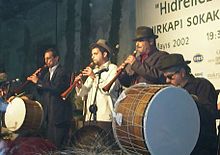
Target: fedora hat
144, 32
102, 43
172, 60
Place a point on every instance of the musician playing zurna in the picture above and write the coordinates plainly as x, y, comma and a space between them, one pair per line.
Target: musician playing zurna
99, 104
57, 112
142, 68
178, 73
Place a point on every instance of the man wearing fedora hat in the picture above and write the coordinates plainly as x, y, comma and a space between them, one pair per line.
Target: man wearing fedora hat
98, 77
178, 73
143, 67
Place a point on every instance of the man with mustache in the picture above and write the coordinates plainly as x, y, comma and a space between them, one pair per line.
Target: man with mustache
57, 112
99, 104
178, 73
100, 54
143, 67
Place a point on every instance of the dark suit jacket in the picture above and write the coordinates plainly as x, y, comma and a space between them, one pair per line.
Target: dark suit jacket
207, 105
145, 72
57, 111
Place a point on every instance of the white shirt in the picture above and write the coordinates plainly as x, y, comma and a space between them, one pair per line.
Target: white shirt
104, 100
51, 70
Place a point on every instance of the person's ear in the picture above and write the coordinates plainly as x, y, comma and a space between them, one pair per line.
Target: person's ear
57, 58
151, 41
105, 54
182, 72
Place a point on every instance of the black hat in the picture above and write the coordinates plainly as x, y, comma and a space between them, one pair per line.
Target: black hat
172, 60
144, 32
103, 43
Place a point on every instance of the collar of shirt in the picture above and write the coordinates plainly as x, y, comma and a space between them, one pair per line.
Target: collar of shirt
51, 70
105, 65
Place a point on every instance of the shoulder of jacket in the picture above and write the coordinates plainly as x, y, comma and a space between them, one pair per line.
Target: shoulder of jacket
202, 80
162, 52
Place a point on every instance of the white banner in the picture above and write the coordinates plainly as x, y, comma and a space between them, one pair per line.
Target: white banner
189, 27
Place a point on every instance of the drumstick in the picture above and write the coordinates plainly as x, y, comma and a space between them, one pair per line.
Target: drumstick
12, 97
21, 94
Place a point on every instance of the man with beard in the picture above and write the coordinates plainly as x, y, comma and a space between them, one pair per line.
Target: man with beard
143, 67
99, 104
178, 73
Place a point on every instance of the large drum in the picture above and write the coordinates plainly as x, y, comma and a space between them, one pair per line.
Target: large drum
23, 113
156, 120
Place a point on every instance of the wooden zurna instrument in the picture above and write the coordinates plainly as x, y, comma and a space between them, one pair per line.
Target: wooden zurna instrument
108, 86
66, 93
37, 73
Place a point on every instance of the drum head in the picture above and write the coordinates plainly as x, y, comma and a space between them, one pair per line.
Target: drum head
15, 114
171, 122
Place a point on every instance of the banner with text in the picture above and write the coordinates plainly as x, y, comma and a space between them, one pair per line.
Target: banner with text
189, 27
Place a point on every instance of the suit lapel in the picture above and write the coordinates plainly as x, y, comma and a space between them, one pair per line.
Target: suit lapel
47, 76
55, 73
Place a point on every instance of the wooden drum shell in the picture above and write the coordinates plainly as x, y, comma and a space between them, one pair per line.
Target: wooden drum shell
132, 110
